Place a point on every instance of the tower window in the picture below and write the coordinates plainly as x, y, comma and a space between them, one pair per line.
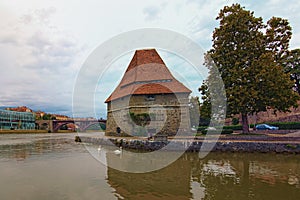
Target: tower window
150, 98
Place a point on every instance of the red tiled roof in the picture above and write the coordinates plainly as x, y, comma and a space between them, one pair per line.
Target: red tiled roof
20, 109
147, 74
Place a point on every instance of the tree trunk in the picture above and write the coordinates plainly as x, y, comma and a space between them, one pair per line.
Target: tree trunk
245, 123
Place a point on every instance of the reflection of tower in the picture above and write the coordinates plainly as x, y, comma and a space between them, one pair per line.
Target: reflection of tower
148, 97
171, 182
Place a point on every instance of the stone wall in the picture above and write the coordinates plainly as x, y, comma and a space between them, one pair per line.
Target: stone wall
169, 114
194, 146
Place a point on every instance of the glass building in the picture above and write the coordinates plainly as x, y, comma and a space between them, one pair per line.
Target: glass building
16, 120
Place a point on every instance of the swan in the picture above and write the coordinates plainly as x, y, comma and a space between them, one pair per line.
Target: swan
118, 151
99, 148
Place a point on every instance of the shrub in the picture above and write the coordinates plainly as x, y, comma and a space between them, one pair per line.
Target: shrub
223, 131
201, 128
286, 125
292, 146
233, 127
235, 121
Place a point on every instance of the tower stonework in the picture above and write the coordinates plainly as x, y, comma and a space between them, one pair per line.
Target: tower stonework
148, 100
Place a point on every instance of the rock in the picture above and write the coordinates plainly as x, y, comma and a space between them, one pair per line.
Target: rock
77, 139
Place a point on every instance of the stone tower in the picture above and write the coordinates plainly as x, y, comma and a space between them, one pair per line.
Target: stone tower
148, 100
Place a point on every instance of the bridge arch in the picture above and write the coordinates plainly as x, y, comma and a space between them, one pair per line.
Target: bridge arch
94, 123
55, 125
82, 125
61, 124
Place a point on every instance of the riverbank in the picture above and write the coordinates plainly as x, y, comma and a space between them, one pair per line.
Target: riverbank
264, 143
31, 131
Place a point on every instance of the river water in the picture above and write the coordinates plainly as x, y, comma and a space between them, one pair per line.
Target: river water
53, 166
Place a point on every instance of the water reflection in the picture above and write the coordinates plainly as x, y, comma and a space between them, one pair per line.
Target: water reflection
218, 176
21, 149
59, 168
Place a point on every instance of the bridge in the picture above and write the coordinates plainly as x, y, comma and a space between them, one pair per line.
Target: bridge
81, 125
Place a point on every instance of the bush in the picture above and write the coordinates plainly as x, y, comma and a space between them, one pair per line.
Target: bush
231, 127
234, 127
223, 132
281, 125
201, 128
286, 125
235, 121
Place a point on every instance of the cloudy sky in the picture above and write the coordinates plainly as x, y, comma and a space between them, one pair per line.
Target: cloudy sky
44, 43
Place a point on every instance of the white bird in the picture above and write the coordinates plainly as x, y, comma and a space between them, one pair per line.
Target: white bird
118, 151
99, 148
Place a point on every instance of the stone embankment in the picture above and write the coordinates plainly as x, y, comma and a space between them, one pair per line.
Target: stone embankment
264, 144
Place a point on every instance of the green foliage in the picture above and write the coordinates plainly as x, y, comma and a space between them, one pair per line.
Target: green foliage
141, 119
245, 52
292, 146
292, 67
278, 36
286, 125
201, 128
223, 132
205, 105
235, 121
47, 117
281, 125
233, 127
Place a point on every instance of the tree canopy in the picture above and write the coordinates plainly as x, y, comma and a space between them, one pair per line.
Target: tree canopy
292, 67
248, 55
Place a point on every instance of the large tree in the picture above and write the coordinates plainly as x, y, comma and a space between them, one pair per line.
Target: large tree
246, 57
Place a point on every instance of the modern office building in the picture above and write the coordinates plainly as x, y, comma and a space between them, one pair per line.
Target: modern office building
16, 120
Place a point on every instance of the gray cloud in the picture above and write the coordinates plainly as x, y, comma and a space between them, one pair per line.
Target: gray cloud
41, 16
41, 51
39, 66
152, 13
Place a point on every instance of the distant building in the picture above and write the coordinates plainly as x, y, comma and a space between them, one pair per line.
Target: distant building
20, 109
148, 99
39, 114
60, 117
16, 120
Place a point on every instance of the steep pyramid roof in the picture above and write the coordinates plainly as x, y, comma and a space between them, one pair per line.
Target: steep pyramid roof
147, 74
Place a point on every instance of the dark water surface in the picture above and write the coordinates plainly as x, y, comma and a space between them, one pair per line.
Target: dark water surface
51, 166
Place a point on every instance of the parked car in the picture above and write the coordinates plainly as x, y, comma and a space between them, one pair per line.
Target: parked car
266, 127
